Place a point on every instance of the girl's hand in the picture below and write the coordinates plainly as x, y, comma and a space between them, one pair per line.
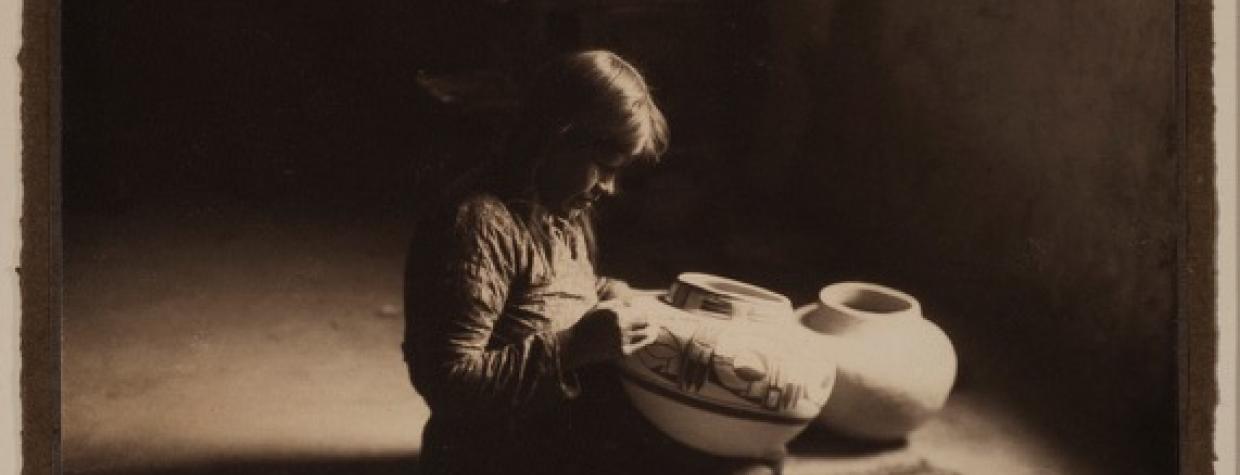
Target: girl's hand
609, 331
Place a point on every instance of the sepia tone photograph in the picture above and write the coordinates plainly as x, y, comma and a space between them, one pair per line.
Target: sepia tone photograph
622, 237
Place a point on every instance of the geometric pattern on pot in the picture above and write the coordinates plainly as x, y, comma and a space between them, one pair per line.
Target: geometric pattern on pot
743, 366
709, 352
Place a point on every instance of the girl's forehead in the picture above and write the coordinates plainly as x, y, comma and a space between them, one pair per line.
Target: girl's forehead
612, 151
616, 159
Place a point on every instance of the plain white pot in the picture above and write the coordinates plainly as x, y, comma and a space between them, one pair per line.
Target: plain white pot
896, 368
728, 374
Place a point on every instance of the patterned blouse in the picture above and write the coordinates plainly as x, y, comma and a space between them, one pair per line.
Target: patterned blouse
486, 307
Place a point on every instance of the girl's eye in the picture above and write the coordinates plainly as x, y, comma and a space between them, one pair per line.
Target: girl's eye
606, 169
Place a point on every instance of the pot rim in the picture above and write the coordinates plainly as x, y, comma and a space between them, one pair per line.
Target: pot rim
836, 296
762, 295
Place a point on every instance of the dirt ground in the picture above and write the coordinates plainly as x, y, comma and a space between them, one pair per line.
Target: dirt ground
207, 337
205, 341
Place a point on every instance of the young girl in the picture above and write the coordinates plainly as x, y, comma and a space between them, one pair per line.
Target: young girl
509, 332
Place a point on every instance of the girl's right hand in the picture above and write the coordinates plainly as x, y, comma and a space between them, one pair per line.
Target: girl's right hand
611, 330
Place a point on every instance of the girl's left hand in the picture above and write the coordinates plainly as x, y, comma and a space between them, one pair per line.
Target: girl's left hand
612, 330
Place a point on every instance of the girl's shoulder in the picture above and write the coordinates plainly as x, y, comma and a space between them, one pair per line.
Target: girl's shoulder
482, 209
478, 221
484, 214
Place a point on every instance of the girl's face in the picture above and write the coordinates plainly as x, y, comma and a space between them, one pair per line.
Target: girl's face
574, 178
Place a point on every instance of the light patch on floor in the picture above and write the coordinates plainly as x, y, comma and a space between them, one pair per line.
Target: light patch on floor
205, 338
187, 343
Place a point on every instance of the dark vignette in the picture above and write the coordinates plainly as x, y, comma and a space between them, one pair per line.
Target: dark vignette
39, 272
40, 275
1199, 334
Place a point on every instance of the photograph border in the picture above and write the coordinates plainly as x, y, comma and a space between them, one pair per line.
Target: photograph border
1198, 332
40, 256
39, 270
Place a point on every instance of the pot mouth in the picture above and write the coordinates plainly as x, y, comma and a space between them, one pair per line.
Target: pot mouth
734, 288
721, 297
866, 299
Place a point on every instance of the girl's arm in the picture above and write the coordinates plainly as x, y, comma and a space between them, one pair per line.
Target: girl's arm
456, 286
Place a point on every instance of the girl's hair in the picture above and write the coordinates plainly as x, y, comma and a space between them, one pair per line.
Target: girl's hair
589, 98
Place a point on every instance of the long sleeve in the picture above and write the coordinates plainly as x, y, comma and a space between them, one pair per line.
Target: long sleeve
457, 286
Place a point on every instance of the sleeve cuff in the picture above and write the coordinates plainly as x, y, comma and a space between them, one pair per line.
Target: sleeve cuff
605, 287
602, 285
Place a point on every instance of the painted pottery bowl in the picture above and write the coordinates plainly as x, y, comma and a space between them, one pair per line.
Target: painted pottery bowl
728, 373
896, 368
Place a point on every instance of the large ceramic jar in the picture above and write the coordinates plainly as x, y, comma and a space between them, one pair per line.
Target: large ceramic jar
725, 375
896, 368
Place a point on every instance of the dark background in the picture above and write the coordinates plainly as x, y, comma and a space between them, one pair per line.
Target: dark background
1010, 163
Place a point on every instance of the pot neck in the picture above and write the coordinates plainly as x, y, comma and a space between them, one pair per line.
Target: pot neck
848, 305
833, 319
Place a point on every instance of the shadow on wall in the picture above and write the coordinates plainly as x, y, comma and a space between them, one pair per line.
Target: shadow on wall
403, 465
1010, 164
